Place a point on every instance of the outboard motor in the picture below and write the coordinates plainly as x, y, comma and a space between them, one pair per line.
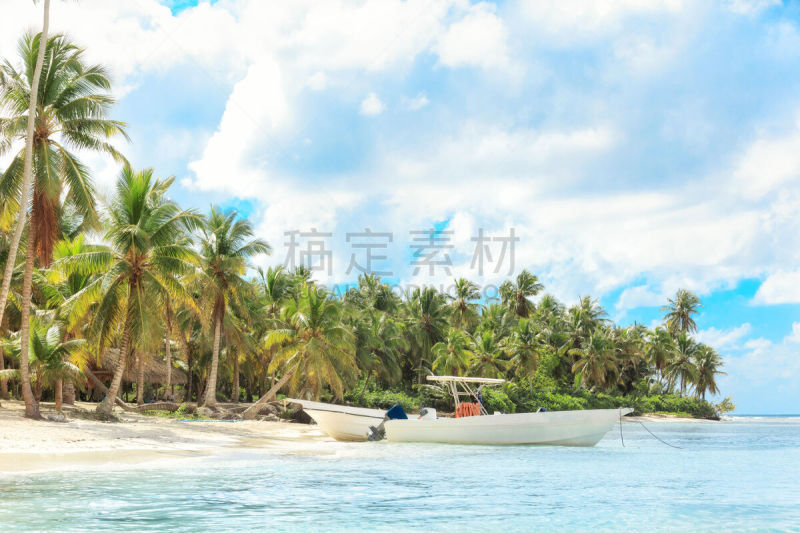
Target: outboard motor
395, 413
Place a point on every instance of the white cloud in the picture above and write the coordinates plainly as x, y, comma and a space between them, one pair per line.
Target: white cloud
569, 21
722, 339
318, 81
479, 39
766, 361
769, 163
779, 288
639, 296
231, 160
420, 101
794, 336
371, 105
751, 7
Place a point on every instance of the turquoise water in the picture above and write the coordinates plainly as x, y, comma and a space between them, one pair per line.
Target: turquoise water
740, 475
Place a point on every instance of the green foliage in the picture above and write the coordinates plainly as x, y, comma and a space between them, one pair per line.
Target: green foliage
726, 406
383, 399
497, 401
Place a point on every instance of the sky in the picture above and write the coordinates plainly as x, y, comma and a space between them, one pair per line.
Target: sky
623, 149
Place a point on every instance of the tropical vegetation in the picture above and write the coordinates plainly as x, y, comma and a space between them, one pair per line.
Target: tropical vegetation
102, 285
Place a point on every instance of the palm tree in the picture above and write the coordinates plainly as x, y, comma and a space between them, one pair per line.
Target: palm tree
70, 111
452, 356
631, 353
316, 349
378, 344
516, 296
226, 245
464, 309
50, 357
596, 366
140, 269
707, 362
490, 357
681, 368
660, 349
427, 317
56, 288
27, 172
524, 347
680, 310
585, 318
276, 286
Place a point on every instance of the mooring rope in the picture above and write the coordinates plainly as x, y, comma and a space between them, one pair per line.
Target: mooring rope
646, 429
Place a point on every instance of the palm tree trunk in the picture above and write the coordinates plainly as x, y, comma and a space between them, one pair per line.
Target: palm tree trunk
69, 392
3, 382
27, 176
366, 382
168, 349
253, 410
107, 405
185, 346
211, 388
139, 378
59, 394
31, 405
235, 377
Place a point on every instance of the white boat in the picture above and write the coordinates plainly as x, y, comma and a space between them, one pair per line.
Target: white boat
566, 428
340, 421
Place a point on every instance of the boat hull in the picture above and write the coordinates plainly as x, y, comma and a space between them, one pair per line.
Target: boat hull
555, 428
344, 426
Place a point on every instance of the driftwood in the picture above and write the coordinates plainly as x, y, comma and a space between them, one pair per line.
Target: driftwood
99, 384
158, 406
252, 412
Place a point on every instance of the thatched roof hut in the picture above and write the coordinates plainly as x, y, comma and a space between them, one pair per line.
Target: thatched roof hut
155, 369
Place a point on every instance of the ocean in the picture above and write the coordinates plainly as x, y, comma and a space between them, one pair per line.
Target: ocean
741, 474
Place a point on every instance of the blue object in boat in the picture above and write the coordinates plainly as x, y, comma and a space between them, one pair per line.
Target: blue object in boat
396, 413
541, 410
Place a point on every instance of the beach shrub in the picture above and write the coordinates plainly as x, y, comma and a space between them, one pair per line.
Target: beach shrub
382, 399
497, 401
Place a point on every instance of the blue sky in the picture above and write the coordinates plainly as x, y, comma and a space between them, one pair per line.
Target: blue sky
635, 147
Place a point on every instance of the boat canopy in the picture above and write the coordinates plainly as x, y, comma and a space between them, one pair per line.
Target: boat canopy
466, 386
450, 379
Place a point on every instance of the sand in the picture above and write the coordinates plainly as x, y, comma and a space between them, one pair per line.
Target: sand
27, 445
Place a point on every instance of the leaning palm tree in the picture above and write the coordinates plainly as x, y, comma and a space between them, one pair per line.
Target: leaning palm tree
315, 349
516, 295
140, 269
27, 171
70, 114
707, 362
680, 310
226, 245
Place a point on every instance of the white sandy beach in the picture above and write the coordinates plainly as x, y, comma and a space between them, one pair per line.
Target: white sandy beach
27, 445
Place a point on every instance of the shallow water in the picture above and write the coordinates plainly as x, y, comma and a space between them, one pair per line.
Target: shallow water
736, 475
